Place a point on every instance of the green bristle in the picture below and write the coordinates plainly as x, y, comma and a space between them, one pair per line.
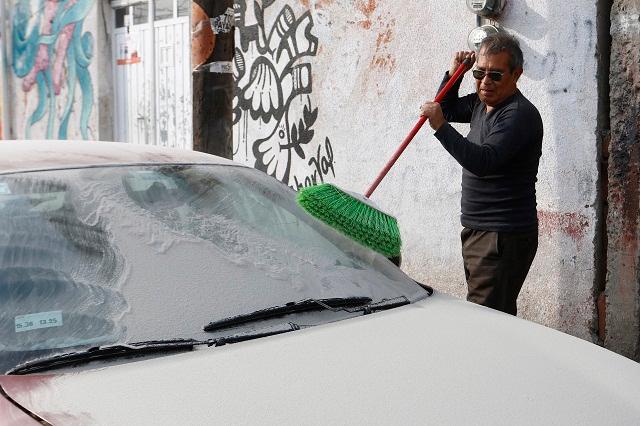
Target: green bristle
357, 220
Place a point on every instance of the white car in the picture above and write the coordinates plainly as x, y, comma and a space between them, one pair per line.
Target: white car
141, 285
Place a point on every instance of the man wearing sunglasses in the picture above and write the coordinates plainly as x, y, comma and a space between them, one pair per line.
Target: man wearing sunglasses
500, 157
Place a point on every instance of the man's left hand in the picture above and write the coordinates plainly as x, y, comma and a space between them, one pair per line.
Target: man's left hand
433, 112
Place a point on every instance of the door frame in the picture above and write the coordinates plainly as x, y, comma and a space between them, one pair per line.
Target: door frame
120, 4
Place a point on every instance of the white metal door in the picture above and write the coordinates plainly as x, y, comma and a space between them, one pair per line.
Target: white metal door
173, 83
134, 91
153, 79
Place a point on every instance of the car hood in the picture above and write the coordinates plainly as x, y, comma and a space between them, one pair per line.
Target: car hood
440, 360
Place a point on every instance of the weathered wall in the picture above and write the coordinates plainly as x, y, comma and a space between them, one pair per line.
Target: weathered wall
4, 111
2, 89
105, 104
52, 71
329, 88
276, 110
623, 279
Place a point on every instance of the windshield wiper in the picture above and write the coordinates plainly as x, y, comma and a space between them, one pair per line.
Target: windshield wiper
108, 351
288, 308
348, 304
143, 348
263, 332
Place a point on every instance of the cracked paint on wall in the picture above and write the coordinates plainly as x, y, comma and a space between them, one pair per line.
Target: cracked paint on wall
573, 225
623, 217
51, 55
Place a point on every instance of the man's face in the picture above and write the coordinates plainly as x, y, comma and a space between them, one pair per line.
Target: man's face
493, 92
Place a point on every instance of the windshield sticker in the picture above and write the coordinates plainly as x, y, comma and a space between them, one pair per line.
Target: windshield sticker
38, 320
4, 188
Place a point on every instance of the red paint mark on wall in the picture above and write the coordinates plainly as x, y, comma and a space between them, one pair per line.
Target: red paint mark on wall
382, 59
384, 37
572, 224
318, 4
384, 62
366, 7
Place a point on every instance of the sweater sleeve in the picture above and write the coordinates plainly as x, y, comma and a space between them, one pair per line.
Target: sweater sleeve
502, 143
454, 108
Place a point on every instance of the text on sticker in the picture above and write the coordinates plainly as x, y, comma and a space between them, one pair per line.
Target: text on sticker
38, 320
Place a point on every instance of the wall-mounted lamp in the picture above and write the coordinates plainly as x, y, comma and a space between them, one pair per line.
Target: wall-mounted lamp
480, 33
486, 8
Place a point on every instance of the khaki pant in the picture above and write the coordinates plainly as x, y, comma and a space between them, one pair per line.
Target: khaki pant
496, 265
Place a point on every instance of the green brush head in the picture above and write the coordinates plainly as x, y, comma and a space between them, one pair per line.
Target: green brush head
354, 218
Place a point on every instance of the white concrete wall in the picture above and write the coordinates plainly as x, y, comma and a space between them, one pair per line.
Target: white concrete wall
52, 73
372, 63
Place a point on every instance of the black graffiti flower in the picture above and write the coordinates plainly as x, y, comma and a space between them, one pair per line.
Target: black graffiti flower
275, 92
264, 92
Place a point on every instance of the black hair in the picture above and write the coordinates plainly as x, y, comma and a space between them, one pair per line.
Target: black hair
503, 42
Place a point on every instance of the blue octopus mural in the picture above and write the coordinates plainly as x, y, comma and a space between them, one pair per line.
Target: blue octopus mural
51, 51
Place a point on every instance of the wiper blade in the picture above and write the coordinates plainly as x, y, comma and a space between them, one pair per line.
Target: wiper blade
143, 348
108, 351
337, 303
263, 332
385, 304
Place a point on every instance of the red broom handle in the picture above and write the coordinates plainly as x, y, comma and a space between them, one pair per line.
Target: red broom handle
461, 70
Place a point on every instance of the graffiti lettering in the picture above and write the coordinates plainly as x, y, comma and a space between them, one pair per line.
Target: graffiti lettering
321, 163
325, 163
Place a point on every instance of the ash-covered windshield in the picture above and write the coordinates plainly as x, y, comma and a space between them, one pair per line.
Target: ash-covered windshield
120, 254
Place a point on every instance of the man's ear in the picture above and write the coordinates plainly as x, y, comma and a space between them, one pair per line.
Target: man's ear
517, 73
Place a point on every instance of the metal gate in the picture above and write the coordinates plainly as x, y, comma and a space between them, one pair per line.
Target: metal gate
152, 60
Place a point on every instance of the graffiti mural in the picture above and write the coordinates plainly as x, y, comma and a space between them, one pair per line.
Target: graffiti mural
274, 86
2, 73
1, 104
50, 52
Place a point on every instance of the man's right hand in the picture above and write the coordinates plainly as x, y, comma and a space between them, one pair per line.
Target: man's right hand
459, 57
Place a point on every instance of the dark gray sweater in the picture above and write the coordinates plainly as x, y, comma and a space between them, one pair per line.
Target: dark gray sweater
499, 156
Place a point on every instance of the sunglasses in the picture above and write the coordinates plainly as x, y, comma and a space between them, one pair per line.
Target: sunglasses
493, 75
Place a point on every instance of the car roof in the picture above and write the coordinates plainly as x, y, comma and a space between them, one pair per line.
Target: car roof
32, 155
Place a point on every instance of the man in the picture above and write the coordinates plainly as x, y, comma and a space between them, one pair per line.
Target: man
500, 157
